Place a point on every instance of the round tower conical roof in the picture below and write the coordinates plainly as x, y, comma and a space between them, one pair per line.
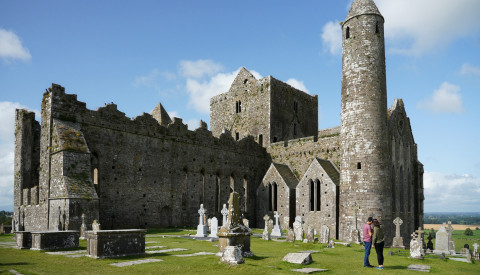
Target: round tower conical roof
360, 7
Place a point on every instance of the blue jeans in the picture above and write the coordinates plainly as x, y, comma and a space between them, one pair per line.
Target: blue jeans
368, 246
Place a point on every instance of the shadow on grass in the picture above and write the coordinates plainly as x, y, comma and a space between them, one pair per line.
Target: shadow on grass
167, 230
7, 264
257, 258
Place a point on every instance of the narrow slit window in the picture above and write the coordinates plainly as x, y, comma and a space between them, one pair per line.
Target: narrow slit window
312, 195
275, 195
270, 199
294, 129
359, 165
260, 140
347, 33
318, 202
237, 136
376, 28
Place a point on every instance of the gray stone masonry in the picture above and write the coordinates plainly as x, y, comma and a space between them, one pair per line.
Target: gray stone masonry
23, 239
49, 240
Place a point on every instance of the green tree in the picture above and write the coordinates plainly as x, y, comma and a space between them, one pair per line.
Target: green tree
468, 232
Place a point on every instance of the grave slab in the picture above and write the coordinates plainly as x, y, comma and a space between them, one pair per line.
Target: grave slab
66, 252
115, 243
47, 240
419, 267
122, 264
298, 258
309, 270
463, 260
195, 254
155, 247
166, 250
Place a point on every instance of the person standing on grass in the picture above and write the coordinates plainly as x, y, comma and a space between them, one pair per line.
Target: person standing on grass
367, 240
378, 241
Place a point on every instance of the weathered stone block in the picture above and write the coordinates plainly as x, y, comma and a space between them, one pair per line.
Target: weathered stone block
115, 243
23, 239
298, 258
47, 240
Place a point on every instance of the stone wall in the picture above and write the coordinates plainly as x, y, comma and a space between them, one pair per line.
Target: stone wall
149, 170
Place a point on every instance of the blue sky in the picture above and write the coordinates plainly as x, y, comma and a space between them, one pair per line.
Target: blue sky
180, 53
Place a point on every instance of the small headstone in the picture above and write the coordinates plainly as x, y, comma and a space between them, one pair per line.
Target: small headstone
286, 221
95, 225
469, 255
324, 234
298, 258
202, 229
266, 233
430, 243
290, 235
298, 228
475, 251
451, 242
277, 230
309, 237
466, 246
464, 251
232, 255
209, 223
246, 223
309, 270
390, 252
356, 236
213, 227
419, 267
442, 257
270, 225
398, 240
224, 214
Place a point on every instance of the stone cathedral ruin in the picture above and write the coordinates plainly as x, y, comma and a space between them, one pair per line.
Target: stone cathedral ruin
263, 142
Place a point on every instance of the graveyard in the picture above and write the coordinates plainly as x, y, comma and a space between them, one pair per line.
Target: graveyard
267, 258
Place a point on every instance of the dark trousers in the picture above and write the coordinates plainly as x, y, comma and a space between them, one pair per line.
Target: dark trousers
379, 250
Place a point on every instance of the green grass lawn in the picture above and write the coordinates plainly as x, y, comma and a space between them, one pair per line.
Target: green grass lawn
267, 259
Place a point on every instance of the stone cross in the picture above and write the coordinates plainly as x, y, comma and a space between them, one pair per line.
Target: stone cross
355, 207
83, 228
266, 218
277, 231
266, 233
95, 225
397, 223
202, 229
451, 242
224, 214
398, 240
419, 234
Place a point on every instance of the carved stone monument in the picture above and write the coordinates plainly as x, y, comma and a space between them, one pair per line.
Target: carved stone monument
277, 230
441, 241
309, 236
451, 242
213, 227
416, 245
202, 229
232, 255
475, 251
266, 233
95, 225
298, 228
224, 214
290, 235
398, 240
430, 244
234, 233
355, 232
83, 228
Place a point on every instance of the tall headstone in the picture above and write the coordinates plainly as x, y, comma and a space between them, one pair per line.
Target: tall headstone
324, 234
451, 242
83, 228
398, 240
213, 227
430, 243
290, 235
202, 229
441, 241
355, 235
266, 233
270, 224
309, 236
234, 233
298, 228
246, 222
277, 230
224, 214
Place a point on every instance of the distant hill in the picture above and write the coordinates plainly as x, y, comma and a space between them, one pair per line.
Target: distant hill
471, 218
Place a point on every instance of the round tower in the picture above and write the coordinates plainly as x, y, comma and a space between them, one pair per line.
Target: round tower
364, 179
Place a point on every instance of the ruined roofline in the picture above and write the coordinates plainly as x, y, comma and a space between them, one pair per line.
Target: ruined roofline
66, 107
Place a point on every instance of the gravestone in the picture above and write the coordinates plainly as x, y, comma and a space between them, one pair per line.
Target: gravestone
277, 231
246, 223
290, 235
355, 234
202, 229
416, 245
266, 233
441, 241
324, 234
331, 244
475, 251
451, 242
224, 214
469, 255
95, 225
83, 228
209, 223
398, 240
466, 246
270, 224
232, 255
234, 233
213, 227
298, 228
464, 251
309, 236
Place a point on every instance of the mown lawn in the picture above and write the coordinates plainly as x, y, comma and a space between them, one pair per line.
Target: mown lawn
267, 259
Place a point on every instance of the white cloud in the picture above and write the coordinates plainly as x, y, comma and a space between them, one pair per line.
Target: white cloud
298, 84
173, 114
416, 27
451, 192
199, 68
332, 37
7, 140
193, 124
447, 99
468, 69
11, 47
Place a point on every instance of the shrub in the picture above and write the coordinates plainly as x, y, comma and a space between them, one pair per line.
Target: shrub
468, 232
